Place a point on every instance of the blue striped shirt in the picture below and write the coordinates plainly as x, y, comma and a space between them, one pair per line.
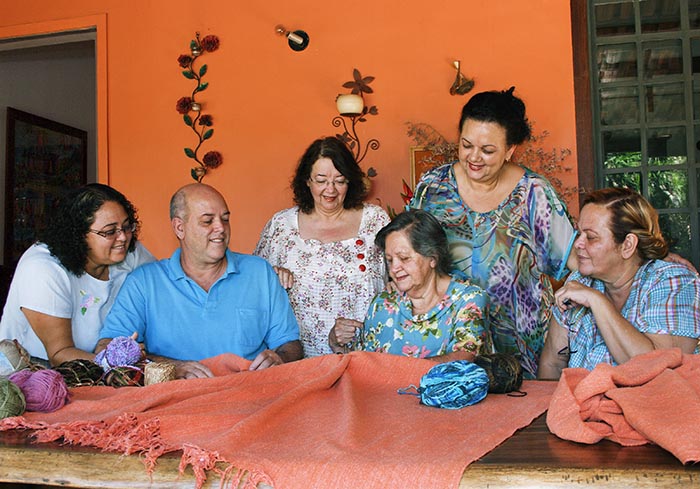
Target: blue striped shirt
664, 299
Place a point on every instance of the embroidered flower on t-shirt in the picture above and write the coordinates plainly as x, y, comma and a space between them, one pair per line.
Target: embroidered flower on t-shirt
87, 301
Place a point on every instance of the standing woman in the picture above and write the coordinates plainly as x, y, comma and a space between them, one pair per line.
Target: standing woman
327, 242
65, 284
507, 228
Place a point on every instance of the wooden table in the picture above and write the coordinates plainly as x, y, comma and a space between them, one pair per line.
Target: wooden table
531, 458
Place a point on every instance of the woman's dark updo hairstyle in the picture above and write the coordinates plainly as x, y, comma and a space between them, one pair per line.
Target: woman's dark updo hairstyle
66, 233
343, 161
631, 213
501, 107
425, 234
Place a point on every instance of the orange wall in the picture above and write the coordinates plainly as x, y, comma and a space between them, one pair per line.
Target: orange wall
269, 102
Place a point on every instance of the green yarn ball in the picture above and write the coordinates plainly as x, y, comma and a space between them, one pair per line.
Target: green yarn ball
12, 401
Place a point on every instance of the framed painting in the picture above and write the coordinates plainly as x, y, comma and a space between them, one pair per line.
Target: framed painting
44, 159
422, 160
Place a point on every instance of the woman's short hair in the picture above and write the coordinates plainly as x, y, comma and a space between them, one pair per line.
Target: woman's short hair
425, 235
343, 161
501, 107
631, 213
66, 232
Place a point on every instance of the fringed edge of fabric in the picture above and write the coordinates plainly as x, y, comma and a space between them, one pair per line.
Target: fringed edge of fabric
231, 476
127, 435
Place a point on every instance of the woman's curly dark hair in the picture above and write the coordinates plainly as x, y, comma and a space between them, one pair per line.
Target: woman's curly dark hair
501, 107
66, 233
343, 161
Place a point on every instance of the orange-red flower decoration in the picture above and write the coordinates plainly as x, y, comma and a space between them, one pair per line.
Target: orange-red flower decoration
201, 123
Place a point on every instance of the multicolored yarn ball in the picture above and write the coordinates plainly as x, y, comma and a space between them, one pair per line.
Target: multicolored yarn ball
44, 390
125, 376
13, 357
12, 401
504, 371
122, 351
80, 372
452, 385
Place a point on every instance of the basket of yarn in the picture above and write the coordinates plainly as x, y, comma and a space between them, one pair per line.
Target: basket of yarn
12, 402
44, 390
13, 357
504, 372
451, 385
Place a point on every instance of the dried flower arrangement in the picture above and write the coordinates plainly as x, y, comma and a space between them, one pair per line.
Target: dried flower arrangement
201, 123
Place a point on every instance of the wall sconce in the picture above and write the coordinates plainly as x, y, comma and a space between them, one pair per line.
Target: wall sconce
352, 106
462, 84
297, 40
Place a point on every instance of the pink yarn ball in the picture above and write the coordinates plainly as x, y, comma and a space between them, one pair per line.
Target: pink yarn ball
44, 390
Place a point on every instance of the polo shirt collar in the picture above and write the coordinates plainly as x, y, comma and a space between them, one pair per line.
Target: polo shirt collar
177, 273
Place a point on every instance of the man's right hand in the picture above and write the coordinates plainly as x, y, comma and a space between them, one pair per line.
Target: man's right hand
191, 370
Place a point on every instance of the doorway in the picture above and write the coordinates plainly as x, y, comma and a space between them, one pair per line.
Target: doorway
56, 70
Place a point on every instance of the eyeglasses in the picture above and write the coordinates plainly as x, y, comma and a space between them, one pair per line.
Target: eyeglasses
325, 183
112, 233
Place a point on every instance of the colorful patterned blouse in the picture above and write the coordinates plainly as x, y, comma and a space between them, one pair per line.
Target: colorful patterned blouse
457, 323
331, 280
509, 252
664, 299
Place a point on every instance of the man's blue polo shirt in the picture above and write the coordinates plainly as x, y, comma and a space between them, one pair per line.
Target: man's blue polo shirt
245, 312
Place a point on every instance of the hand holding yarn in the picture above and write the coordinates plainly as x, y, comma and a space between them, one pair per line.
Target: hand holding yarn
122, 351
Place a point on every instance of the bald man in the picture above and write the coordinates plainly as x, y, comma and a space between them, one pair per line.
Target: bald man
205, 299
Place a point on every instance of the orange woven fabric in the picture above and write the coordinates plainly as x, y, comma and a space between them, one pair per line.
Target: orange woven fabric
653, 397
331, 421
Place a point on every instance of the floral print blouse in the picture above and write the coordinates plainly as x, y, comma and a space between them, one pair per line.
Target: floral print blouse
331, 280
509, 252
459, 322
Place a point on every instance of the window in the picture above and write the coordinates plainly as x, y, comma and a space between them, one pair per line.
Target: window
644, 62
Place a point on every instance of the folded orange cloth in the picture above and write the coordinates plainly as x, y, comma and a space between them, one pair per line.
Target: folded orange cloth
654, 397
331, 421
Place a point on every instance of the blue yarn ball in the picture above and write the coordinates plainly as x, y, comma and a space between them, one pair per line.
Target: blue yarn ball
454, 385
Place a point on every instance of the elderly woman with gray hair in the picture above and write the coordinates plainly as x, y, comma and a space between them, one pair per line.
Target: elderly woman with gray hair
432, 311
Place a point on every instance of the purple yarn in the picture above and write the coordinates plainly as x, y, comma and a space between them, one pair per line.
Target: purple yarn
122, 351
44, 390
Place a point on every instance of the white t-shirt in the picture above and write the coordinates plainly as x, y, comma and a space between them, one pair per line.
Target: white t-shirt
42, 284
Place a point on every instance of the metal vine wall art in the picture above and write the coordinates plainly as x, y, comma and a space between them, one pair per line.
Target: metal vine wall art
201, 124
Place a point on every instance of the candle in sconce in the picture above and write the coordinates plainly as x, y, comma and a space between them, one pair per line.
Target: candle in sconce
350, 104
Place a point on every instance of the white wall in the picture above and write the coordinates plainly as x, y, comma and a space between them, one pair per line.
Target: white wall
55, 82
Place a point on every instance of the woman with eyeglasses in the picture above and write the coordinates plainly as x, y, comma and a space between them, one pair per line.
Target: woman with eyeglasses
323, 248
624, 299
65, 284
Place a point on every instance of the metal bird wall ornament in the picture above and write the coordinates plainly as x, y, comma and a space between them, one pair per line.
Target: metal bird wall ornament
462, 84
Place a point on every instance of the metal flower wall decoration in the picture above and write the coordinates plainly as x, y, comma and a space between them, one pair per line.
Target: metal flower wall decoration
201, 124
